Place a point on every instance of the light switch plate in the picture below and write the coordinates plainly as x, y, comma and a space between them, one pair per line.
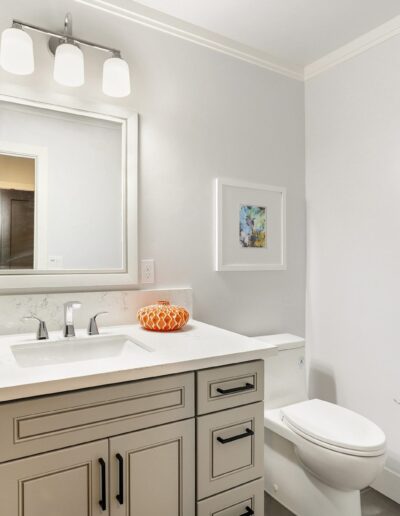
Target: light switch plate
147, 271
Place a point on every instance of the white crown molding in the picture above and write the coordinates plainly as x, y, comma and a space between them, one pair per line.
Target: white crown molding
354, 48
143, 15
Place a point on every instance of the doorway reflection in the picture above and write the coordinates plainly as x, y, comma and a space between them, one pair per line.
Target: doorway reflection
17, 212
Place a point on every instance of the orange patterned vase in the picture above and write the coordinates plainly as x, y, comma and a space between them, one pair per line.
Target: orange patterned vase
163, 317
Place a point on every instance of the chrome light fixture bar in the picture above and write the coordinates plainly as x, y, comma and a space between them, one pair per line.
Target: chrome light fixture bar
62, 37
16, 56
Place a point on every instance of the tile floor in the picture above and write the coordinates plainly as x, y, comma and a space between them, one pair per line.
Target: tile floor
373, 504
273, 508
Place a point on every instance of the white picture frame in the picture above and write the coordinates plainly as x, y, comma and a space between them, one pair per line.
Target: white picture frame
231, 196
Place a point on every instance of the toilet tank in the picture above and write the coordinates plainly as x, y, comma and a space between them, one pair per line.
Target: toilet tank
285, 374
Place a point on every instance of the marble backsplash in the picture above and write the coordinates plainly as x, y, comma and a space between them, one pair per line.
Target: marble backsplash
120, 305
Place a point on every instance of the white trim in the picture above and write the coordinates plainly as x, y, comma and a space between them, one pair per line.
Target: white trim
40, 155
41, 207
157, 20
219, 261
388, 483
62, 108
143, 15
357, 46
127, 276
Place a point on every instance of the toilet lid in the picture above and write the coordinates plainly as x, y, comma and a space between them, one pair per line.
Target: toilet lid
333, 425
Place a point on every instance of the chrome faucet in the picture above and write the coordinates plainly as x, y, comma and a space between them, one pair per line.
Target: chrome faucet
69, 329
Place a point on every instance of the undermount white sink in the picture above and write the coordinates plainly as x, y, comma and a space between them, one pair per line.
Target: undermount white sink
60, 351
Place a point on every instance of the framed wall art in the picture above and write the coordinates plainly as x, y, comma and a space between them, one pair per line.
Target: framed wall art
250, 226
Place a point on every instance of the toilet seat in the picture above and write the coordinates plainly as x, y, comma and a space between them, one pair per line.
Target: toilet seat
336, 428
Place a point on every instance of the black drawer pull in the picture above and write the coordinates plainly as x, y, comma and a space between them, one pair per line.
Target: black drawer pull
249, 512
246, 387
247, 433
103, 499
120, 495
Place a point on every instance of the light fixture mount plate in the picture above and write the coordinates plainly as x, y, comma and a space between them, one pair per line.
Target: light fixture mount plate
54, 42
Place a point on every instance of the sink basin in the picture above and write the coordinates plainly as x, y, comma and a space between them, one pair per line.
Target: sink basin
61, 351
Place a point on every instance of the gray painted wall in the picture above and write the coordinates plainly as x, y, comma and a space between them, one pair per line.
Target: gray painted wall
353, 185
203, 114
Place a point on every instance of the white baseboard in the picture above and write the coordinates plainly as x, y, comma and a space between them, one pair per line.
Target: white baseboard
388, 483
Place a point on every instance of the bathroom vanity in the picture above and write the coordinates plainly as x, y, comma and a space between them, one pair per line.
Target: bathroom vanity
79, 441
127, 422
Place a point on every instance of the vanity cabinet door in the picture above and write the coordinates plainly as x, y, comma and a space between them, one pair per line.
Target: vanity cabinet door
152, 472
62, 483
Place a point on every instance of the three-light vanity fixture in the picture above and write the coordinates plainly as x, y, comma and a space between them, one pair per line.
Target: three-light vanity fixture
16, 56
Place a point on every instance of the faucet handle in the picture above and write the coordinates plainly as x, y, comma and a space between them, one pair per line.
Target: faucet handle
93, 328
42, 333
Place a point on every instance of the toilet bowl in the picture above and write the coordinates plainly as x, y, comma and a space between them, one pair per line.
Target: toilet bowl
338, 446
317, 455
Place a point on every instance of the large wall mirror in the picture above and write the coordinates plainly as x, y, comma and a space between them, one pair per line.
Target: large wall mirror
68, 198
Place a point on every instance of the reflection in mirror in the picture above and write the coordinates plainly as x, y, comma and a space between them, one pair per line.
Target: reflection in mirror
17, 212
62, 191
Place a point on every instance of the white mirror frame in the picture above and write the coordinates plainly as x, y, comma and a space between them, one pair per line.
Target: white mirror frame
84, 280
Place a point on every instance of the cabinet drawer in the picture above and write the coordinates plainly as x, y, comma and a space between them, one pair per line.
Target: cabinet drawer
229, 448
230, 386
240, 501
47, 423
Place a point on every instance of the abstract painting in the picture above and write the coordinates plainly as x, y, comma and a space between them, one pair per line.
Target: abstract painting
253, 226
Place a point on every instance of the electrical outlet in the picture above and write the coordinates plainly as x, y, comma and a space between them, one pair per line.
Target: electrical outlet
147, 271
55, 262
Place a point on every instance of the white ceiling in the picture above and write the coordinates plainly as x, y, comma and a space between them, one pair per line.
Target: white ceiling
295, 32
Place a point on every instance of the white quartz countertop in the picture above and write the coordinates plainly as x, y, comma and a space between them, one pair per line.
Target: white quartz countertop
197, 346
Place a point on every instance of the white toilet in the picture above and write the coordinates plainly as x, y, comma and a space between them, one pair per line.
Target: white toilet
317, 455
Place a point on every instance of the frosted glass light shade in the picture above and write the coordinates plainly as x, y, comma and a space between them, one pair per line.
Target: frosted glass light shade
16, 52
116, 78
69, 68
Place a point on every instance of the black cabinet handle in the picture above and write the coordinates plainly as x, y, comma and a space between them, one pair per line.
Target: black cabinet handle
246, 387
103, 499
249, 512
120, 495
247, 433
